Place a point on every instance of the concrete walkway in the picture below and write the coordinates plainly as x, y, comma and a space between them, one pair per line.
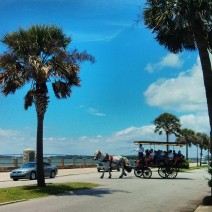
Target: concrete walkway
65, 172
202, 208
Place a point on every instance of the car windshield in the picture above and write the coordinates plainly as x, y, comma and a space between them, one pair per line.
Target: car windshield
28, 165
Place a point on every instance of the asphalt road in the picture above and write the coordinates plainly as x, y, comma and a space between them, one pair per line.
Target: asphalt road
128, 194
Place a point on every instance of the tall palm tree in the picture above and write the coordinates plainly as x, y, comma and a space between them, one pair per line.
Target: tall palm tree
184, 24
204, 142
169, 123
187, 136
38, 56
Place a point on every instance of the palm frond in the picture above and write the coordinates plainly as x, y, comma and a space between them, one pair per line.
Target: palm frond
39, 55
28, 99
61, 89
174, 22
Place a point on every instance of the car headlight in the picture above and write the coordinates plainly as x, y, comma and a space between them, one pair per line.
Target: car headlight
24, 172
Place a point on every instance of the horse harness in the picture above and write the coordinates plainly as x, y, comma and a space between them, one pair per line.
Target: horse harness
108, 158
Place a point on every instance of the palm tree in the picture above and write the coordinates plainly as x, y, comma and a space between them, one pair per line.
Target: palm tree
204, 142
184, 24
169, 123
187, 136
37, 56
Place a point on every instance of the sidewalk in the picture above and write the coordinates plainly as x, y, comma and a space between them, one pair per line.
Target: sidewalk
66, 172
203, 208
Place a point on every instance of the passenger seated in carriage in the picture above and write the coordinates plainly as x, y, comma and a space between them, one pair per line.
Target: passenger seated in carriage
175, 154
149, 156
170, 155
159, 156
179, 156
147, 153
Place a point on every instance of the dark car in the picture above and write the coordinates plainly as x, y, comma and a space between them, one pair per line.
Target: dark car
29, 171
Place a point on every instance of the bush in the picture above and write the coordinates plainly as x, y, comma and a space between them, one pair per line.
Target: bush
184, 164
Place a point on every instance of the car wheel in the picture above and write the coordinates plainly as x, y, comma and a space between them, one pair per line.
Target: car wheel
52, 174
32, 176
15, 179
98, 170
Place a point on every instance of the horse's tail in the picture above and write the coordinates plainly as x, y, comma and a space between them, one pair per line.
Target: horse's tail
126, 161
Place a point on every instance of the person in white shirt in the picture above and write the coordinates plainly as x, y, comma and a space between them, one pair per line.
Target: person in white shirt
140, 151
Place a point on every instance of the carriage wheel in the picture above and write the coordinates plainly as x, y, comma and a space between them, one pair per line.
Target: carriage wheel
162, 172
171, 172
147, 172
138, 172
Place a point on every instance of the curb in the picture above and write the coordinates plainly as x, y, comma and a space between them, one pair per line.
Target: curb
203, 208
7, 203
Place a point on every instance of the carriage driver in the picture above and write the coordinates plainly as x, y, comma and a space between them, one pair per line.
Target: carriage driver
140, 151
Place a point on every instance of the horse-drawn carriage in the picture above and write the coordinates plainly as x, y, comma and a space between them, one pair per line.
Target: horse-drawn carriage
167, 167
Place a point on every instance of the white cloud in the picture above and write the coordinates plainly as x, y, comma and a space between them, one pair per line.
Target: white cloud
94, 37
95, 112
170, 60
143, 132
118, 143
198, 122
8, 133
183, 93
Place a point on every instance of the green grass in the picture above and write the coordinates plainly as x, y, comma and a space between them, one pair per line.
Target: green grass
32, 191
193, 168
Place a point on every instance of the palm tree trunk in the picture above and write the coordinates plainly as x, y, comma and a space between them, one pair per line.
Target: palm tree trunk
167, 141
200, 156
41, 102
207, 74
186, 151
40, 169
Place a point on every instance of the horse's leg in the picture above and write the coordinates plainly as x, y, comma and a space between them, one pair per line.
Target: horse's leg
109, 173
109, 169
102, 176
122, 171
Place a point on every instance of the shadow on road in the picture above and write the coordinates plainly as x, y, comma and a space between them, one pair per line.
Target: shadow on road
177, 178
97, 192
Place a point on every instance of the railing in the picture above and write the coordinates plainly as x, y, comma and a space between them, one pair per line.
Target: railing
9, 162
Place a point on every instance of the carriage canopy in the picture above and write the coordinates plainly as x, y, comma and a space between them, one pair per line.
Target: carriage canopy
159, 143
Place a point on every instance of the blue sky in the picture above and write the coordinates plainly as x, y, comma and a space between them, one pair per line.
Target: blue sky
133, 81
